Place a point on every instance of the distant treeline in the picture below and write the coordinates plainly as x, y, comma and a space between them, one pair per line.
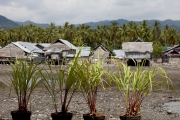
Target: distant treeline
111, 36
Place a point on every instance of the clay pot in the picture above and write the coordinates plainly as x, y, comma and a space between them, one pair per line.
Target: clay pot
61, 116
125, 117
92, 117
21, 115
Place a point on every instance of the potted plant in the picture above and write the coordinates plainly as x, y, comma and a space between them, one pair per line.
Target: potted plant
136, 85
24, 79
90, 77
61, 83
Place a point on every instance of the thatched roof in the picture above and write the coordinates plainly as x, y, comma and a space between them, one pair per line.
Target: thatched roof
137, 46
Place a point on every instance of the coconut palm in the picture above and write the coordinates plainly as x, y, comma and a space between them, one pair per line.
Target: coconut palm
124, 32
166, 32
172, 36
156, 30
133, 30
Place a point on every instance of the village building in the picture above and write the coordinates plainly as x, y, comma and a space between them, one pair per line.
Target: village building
42, 45
137, 52
101, 52
84, 52
119, 54
83, 55
58, 51
21, 50
117, 57
172, 55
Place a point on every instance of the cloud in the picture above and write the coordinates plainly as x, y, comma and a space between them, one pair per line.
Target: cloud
81, 11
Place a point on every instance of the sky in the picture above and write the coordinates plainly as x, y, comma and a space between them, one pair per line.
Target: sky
83, 11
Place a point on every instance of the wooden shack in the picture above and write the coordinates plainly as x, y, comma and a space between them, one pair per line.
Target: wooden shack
23, 50
58, 50
172, 55
101, 52
137, 52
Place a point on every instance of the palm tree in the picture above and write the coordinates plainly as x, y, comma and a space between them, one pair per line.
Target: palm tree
50, 31
114, 29
156, 30
146, 33
124, 31
133, 30
166, 32
172, 36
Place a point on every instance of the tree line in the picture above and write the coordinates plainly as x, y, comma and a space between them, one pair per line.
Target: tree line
111, 36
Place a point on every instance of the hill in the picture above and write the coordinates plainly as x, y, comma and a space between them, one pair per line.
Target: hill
172, 23
44, 25
6, 23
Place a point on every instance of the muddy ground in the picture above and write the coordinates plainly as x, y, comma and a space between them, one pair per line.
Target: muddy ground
110, 102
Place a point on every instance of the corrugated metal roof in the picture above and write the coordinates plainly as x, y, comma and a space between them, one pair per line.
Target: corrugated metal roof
84, 48
68, 44
28, 47
171, 48
137, 46
53, 51
42, 44
85, 53
119, 53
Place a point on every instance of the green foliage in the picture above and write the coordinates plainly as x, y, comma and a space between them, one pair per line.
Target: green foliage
61, 83
157, 50
137, 84
111, 35
24, 79
90, 77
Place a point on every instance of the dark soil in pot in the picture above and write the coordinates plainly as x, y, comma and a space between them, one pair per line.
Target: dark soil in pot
21, 115
61, 116
93, 117
125, 117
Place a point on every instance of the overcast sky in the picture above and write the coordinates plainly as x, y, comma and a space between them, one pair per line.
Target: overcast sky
82, 11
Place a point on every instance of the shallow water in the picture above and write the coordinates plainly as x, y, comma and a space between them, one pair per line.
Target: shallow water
174, 106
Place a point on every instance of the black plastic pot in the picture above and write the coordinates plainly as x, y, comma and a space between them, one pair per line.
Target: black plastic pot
125, 117
61, 116
21, 115
92, 117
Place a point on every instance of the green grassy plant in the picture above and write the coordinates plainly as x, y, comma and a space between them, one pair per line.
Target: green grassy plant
137, 84
24, 79
90, 77
61, 83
